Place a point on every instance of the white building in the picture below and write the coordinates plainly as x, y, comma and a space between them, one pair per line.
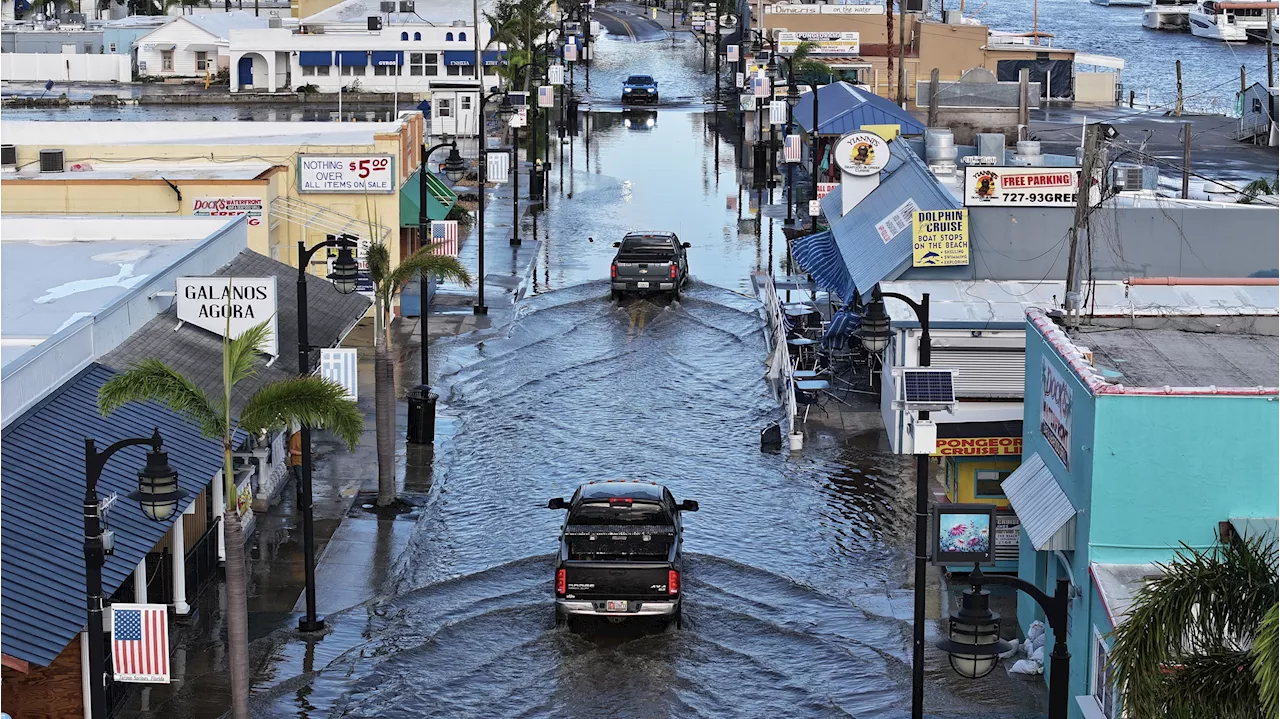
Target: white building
335, 49
192, 45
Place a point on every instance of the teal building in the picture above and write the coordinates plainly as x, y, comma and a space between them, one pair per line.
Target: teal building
1136, 440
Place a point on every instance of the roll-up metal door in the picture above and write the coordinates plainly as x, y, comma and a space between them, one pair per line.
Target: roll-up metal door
984, 374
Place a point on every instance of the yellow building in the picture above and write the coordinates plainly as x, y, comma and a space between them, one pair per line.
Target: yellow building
302, 180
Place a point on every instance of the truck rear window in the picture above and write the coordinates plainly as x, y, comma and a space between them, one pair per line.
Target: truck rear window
640, 80
616, 512
647, 247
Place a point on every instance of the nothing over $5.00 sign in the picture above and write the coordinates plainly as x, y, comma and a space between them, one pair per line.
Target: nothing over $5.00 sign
346, 173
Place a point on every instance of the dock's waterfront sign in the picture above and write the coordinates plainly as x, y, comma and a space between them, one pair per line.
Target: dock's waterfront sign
208, 303
346, 173
1055, 412
1021, 186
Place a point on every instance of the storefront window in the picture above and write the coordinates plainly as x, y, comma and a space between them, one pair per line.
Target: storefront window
423, 64
1103, 687
987, 483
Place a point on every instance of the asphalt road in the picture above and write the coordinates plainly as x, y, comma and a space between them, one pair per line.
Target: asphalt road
624, 23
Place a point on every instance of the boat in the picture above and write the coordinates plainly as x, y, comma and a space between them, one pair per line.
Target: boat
1167, 14
1120, 3
1271, 35
1228, 21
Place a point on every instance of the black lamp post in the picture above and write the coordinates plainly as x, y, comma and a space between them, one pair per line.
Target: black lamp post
875, 337
774, 75
346, 272
506, 111
158, 494
815, 152
482, 170
793, 99
973, 638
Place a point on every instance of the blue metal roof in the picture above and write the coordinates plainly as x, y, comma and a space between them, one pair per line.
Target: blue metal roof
846, 108
867, 257
42, 545
820, 257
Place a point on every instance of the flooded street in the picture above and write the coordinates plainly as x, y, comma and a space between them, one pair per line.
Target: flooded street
796, 568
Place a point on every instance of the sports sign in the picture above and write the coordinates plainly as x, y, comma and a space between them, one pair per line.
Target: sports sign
1021, 186
208, 303
346, 173
825, 42
861, 154
228, 207
940, 238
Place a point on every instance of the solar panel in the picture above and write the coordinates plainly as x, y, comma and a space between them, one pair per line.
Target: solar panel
928, 386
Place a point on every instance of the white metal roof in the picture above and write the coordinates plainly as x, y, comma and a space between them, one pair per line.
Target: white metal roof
1041, 505
36, 133
218, 25
105, 171
426, 12
1088, 58
983, 302
1118, 584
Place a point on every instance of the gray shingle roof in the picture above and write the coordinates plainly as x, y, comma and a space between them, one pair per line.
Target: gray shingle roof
197, 353
42, 546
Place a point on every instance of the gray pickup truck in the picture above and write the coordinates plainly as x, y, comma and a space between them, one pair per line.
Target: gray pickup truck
619, 552
649, 262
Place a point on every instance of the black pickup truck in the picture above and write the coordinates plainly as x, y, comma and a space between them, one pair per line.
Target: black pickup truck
620, 552
649, 262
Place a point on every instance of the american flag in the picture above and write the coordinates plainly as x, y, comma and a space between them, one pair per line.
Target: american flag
140, 643
444, 237
791, 148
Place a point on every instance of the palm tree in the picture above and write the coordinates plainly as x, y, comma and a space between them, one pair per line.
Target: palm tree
806, 69
521, 25
299, 400
1184, 649
387, 283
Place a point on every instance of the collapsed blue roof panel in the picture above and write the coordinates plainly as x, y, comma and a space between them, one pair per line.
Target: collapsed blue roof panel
846, 108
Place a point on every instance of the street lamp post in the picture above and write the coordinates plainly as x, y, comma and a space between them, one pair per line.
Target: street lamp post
973, 638
454, 168
158, 494
793, 99
815, 152
345, 273
875, 338
482, 181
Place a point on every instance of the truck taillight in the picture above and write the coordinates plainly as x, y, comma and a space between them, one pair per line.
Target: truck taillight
673, 270
673, 582
613, 271
561, 586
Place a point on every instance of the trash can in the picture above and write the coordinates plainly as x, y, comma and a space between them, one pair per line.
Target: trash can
422, 415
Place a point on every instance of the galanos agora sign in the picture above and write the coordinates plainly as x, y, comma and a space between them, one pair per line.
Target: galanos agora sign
217, 304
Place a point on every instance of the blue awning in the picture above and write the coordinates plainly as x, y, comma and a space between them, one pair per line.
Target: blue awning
468, 57
843, 108
42, 547
388, 57
820, 257
315, 58
353, 58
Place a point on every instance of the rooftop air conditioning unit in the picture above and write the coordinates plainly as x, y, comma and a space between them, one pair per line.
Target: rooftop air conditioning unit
406, 5
458, 23
51, 161
75, 18
1134, 178
387, 6
375, 23
275, 22
8, 157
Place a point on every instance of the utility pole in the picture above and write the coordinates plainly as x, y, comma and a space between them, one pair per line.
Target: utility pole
1186, 160
715, 36
1177, 66
902, 53
1271, 70
1072, 304
933, 99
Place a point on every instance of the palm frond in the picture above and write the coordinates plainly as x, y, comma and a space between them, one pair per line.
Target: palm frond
1265, 656
242, 352
151, 379
442, 267
379, 259
313, 401
1198, 615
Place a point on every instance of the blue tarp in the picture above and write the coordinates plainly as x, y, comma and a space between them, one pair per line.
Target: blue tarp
846, 108
388, 57
868, 257
315, 58
353, 58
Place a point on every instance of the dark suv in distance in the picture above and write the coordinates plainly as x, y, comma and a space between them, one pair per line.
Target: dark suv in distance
619, 552
647, 262
640, 90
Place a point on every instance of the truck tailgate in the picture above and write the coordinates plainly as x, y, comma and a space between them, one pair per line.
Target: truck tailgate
616, 580
646, 270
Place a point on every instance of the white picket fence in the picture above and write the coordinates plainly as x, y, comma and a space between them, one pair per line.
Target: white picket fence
779, 362
39, 67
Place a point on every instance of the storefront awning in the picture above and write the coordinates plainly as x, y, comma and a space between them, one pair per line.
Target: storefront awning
1041, 505
440, 199
468, 57
820, 257
166, 47
1119, 584
315, 58
202, 48
388, 57
353, 58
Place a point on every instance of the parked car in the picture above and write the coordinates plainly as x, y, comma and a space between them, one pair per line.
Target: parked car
620, 552
639, 90
647, 262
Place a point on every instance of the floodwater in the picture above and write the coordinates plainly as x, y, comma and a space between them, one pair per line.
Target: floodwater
796, 568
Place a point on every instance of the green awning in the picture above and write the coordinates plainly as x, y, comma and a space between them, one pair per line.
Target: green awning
440, 199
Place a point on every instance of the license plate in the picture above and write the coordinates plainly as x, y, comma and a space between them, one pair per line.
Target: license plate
615, 605
642, 285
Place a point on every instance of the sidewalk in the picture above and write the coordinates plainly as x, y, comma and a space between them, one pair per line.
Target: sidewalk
355, 547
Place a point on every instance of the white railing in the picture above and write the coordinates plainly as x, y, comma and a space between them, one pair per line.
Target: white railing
779, 362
